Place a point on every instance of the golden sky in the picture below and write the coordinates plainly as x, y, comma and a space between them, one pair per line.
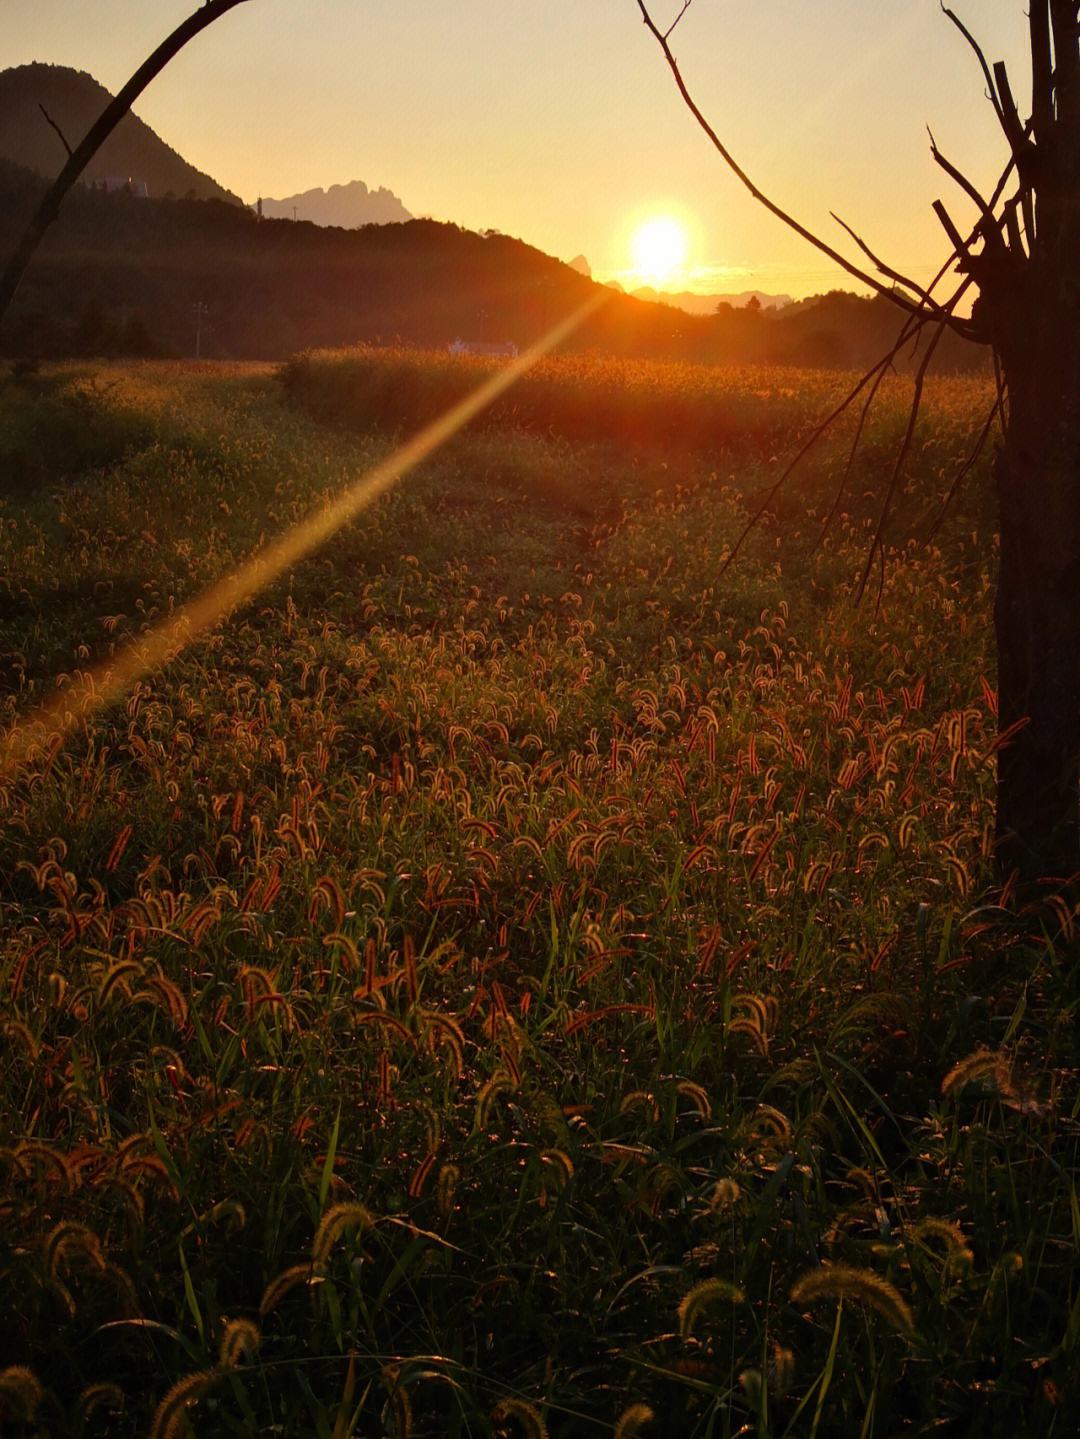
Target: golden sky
556, 120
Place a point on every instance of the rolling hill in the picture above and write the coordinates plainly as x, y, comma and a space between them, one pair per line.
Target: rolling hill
121, 275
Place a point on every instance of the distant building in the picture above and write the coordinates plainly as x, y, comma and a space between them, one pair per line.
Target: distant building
504, 350
119, 184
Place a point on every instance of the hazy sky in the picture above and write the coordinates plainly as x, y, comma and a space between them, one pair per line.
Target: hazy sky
557, 121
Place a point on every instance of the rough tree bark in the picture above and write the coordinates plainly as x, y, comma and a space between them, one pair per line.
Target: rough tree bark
1031, 304
1024, 257
95, 137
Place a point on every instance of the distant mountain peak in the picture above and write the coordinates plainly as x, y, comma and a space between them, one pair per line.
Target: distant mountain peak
695, 304
74, 101
348, 206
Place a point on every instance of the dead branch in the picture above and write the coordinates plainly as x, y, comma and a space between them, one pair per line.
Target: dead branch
882, 267
1014, 130
96, 136
966, 468
895, 484
991, 89
989, 227
841, 489
818, 432
892, 295
671, 28
49, 119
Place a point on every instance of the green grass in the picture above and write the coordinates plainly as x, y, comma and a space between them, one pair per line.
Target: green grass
604, 935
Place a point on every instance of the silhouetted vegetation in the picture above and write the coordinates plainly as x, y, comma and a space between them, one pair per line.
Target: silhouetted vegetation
274, 287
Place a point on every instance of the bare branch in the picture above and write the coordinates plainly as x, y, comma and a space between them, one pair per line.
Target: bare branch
894, 296
671, 28
895, 484
966, 468
911, 328
990, 87
883, 268
96, 136
959, 244
1014, 129
965, 184
56, 127
864, 415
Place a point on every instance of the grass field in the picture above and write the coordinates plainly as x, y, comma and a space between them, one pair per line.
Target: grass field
508, 978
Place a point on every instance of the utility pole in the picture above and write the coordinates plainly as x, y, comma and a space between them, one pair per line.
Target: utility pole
200, 311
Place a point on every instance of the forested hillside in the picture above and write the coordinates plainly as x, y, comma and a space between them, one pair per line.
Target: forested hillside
121, 275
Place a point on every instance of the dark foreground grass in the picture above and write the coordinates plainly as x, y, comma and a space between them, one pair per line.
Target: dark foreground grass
505, 978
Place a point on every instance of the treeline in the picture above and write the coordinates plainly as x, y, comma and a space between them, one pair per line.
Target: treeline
121, 275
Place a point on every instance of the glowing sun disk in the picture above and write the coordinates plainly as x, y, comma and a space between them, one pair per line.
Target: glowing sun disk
659, 247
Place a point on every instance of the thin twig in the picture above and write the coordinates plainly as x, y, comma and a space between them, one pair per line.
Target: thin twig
56, 127
896, 478
671, 28
964, 470
991, 89
884, 269
817, 433
740, 174
841, 489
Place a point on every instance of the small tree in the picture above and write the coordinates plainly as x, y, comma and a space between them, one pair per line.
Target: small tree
1023, 259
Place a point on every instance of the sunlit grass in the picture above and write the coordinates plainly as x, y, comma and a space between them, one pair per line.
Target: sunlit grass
504, 976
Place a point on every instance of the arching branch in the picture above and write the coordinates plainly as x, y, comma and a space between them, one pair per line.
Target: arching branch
901, 301
95, 137
991, 88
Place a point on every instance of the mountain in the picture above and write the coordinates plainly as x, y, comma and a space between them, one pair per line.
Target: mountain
581, 265
348, 206
706, 304
74, 100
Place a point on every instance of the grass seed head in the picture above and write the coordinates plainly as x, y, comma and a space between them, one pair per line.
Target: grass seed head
171, 1414
529, 1420
631, 1421
239, 1343
703, 1296
281, 1284
20, 1393
861, 1286
336, 1222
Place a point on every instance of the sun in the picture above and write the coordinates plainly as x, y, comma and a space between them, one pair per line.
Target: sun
658, 248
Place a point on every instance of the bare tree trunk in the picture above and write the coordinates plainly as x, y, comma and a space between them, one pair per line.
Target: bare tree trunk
1037, 612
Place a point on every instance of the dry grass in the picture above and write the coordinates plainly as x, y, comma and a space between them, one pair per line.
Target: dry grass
433, 1000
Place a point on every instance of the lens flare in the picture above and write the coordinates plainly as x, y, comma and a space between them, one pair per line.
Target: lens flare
41, 734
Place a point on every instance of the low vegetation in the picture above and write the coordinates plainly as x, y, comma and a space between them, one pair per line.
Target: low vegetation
508, 978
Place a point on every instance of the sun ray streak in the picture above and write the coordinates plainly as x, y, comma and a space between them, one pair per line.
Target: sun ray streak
40, 732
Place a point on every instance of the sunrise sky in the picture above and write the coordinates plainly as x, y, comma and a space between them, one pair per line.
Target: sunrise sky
559, 123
